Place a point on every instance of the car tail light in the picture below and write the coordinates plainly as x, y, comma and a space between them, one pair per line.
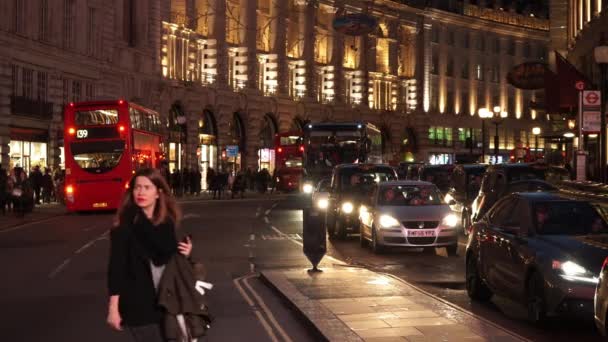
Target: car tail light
69, 189
301, 148
605, 263
71, 131
280, 150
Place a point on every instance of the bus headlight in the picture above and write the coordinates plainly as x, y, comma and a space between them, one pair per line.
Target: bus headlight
322, 203
307, 188
347, 207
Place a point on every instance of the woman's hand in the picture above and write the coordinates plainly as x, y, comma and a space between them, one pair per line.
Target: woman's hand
185, 247
114, 319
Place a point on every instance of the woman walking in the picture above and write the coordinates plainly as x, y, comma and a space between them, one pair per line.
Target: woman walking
142, 242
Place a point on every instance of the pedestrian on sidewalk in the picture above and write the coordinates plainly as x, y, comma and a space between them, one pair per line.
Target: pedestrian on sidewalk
142, 242
47, 186
3, 190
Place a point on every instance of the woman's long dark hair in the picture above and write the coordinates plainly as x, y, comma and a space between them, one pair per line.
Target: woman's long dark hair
165, 210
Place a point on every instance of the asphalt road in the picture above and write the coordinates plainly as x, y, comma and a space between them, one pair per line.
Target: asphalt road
53, 286
54, 280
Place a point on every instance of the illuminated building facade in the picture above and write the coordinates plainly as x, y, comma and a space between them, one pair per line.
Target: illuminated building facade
234, 72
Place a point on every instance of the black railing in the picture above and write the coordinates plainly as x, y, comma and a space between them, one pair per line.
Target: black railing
28, 107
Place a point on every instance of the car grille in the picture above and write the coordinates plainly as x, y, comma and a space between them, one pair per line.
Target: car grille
416, 224
446, 239
394, 239
421, 240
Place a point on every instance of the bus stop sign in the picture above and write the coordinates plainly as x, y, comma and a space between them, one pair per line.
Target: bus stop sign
232, 151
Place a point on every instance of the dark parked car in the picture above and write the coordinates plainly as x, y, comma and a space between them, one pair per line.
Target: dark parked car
540, 249
503, 179
350, 185
601, 298
465, 185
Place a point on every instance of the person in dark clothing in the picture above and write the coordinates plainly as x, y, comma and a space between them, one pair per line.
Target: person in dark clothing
36, 181
239, 185
47, 186
250, 179
141, 243
22, 194
3, 190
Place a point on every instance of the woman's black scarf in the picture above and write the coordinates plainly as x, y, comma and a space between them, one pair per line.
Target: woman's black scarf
157, 243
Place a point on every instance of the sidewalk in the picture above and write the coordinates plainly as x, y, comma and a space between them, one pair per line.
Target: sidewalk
226, 195
354, 304
41, 212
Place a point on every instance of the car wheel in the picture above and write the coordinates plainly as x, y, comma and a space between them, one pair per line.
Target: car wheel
362, 240
476, 288
452, 250
537, 305
377, 248
466, 222
340, 230
330, 224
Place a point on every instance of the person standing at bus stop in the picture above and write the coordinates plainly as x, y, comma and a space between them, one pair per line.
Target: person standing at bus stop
142, 242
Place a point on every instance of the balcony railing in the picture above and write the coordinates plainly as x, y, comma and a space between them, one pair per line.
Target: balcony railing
28, 107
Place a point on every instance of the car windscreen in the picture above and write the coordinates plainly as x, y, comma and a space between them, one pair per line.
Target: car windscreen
354, 178
409, 195
567, 218
97, 156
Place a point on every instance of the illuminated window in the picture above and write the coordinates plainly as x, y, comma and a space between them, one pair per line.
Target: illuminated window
295, 36
264, 23
351, 51
203, 17
382, 49
479, 72
407, 53
323, 36
233, 22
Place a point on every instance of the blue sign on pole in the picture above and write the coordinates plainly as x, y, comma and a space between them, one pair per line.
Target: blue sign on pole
232, 151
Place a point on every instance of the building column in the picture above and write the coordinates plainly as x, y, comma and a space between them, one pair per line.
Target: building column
309, 49
5, 113
55, 93
337, 58
423, 65
219, 34
255, 120
251, 42
279, 12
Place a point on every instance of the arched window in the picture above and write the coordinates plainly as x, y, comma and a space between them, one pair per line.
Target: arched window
269, 129
207, 124
237, 130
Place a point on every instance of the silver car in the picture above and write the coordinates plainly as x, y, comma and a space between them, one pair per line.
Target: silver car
408, 214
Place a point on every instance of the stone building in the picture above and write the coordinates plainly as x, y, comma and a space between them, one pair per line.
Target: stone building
241, 70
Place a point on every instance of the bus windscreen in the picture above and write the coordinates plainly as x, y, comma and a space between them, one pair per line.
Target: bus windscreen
96, 117
97, 156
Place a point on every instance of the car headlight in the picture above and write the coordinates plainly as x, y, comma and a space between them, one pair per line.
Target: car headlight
574, 272
387, 221
450, 220
347, 207
323, 203
307, 188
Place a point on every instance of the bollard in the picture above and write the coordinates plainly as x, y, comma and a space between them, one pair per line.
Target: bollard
314, 236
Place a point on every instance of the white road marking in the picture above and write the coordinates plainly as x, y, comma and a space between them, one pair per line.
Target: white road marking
267, 311
258, 314
267, 212
302, 245
59, 268
266, 220
21, 226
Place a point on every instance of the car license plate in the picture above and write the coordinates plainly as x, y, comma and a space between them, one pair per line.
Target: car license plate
421, 233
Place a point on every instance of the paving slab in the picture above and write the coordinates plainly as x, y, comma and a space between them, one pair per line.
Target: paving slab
355, 304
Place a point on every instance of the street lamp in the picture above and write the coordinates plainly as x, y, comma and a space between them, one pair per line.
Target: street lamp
601, 58
536, 132
497, 116
483, 113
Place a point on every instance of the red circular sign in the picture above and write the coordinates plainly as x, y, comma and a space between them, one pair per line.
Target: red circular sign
580, 85
592, 98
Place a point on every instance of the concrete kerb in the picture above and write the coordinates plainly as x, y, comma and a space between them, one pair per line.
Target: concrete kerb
314, 314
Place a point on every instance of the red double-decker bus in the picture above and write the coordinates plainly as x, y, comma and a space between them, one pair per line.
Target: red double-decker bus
105, 143
289, 153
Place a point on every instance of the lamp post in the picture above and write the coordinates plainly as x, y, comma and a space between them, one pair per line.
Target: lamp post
499, 115
483, 114
536, 132
601, 58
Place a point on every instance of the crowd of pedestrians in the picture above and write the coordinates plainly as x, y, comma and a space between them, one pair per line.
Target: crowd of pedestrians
219, 182
20, 191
